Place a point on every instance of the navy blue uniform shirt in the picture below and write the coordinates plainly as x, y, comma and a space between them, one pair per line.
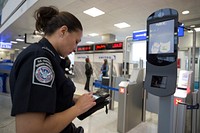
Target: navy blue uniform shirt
38, 82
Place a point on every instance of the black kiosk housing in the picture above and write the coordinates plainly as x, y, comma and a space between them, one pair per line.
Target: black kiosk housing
162, 41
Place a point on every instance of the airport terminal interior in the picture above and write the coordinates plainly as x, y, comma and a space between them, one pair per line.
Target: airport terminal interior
152, 50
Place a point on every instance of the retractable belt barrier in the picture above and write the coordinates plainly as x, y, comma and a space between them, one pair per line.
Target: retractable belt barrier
190, 107
99, 85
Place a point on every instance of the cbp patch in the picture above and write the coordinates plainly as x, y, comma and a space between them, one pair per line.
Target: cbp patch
43, 73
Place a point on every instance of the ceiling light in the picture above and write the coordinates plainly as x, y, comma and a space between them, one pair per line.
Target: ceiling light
197, 29
192, 26
17, 49
13, 42
190, 31
90, 42
185, 12
93, 34
94, 12
122, 25
20, 40
24, 47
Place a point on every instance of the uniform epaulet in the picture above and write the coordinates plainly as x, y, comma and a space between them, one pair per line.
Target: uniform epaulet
47, 49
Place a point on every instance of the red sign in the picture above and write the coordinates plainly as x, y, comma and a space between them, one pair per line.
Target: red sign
122, 90
100, 46
177, 100
109, 46
85, 48
117, 45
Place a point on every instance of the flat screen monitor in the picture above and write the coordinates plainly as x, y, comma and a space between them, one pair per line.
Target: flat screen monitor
161, 37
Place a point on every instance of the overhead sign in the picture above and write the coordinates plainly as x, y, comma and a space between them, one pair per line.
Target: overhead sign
109, 46
99, 47
139, 35
85, 48
142, 35
107, 57
30, 38
5, 45
180, 31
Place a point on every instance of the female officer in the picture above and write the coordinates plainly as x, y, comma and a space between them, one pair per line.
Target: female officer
42, 96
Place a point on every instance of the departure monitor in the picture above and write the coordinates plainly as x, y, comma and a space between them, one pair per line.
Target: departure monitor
162, 42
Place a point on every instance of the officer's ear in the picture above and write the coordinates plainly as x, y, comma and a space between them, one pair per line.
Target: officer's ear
63, 30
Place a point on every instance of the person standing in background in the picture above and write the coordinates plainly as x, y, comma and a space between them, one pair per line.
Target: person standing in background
105, 68
42, 96
88, 73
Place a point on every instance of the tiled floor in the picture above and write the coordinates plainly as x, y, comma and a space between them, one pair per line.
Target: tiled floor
99, 122
7, 123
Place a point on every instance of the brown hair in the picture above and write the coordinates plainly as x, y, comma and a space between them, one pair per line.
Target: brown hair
105, 61
87, 59
49, 19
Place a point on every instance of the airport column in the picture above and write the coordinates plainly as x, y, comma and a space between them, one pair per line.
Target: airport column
161, 65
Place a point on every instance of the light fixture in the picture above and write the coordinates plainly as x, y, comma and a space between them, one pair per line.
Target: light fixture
122, 25
14, 42
24, 47
94, 12
192, 26
93, 34
185, 12
90, 42
20, 40
35, 32
189, 31
197, 29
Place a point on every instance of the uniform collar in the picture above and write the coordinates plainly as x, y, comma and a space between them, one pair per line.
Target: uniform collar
48, 46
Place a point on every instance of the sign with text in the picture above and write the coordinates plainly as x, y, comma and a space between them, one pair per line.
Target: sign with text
5, 45
109, 46
85, 48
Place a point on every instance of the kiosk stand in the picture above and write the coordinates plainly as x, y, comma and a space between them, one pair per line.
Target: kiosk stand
161, 65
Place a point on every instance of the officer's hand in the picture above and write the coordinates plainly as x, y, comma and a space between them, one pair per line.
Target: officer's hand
85, 102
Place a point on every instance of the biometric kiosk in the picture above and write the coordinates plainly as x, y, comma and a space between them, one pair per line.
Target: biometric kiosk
161, 65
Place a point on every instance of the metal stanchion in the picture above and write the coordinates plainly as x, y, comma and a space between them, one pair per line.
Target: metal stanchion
194, 113
112, 93
180, 118
198, 113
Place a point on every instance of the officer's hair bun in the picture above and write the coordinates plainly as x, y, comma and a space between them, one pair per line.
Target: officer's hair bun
43, 15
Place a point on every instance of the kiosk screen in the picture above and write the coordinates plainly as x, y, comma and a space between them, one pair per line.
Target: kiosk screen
161, 37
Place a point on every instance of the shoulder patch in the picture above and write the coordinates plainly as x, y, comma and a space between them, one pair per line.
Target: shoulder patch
43, 73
